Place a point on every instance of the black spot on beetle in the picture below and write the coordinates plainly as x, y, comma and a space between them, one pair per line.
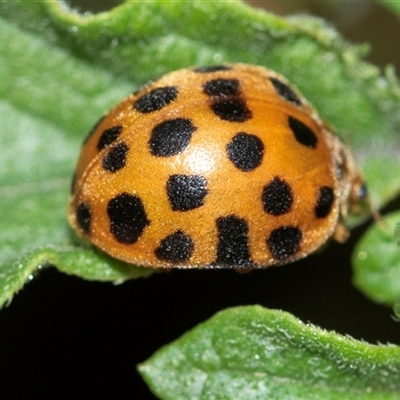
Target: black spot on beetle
285, 91
277, 197
109, 136
171, 137
186, 192
233, 110
177, 247
156, 99
222, 87
212, 68
284, 242
115, 159
303, 134
233, 248
84, 217
128, 217
326, 198
245, 151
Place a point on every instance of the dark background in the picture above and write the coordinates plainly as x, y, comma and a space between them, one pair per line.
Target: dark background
63, 337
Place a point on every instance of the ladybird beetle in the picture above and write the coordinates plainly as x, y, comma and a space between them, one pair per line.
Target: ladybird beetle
213, 167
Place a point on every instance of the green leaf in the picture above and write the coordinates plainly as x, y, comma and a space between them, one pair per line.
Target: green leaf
393, 5
255, 353
42, 101
376, 261
61, 70
84, 262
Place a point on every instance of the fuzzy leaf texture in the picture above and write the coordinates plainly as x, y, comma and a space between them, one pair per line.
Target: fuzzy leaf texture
254, 353
61, 70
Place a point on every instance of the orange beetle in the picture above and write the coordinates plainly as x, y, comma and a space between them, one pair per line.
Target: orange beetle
213, 167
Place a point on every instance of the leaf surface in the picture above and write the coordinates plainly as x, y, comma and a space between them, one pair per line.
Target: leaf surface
254, 353
376, 261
